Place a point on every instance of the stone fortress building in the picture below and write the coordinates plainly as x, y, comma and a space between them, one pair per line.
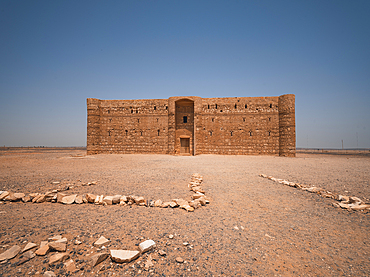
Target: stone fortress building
193, 125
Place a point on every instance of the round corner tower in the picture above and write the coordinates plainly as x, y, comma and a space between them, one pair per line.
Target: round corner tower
287, 139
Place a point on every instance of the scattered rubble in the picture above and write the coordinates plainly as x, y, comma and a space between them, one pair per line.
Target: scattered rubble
345, 202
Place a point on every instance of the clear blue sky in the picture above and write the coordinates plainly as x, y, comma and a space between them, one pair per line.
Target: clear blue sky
55, 54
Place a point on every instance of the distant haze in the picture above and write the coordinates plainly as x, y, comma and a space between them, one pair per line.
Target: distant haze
55, 54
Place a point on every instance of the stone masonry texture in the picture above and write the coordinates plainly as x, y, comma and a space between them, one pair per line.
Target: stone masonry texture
193, 125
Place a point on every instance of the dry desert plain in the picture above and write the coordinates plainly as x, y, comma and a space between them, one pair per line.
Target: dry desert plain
251, 227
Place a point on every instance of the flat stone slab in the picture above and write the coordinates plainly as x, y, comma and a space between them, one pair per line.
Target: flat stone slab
59, 257
69, 199
146, 245
29, 246
108, 200
79, 199
43, 250
49, 274
98, 258
58, 246
90, 197
70, 266
101, 241
62, 240
57, 237
10, 253
25, 257
124, 256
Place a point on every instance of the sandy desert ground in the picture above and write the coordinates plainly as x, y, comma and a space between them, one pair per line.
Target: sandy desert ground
251, 227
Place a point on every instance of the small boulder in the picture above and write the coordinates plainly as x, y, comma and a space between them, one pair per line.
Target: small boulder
62, 240
181, 202
70, 199
14, 196
49, 274
99, 199
79, 199
116, 199
58, 246
197, 195
195, 204
123, 200
173, 204
179, 260
60, 197
26, 199
108, 200
43, 250
90, 197
162, 253
188, 208
40, 198
140, 201
158, 203
146, 245
166, 204
4, 194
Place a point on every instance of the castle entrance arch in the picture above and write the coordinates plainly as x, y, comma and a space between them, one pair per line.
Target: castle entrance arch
184, 126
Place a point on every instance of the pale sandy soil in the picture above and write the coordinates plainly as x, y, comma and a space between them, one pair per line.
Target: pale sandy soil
282, 231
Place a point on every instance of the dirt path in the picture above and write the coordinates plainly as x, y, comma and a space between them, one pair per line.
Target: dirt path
252, 226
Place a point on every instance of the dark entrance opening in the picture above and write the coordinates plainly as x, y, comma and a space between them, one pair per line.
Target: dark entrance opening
185, 146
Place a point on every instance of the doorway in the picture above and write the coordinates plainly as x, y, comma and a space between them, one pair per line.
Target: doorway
185, 145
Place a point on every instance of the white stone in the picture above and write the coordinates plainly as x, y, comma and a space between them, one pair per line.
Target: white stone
69, 199
101, 241
10, 253
124, 256
49, 274
146, 245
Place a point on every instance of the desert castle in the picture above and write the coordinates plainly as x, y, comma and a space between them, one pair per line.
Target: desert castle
193, 125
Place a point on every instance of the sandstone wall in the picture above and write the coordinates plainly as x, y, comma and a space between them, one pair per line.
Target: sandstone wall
237, 125
240, 125
127, 126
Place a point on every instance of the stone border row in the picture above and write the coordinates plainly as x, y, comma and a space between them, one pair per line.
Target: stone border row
56, 196
345, 202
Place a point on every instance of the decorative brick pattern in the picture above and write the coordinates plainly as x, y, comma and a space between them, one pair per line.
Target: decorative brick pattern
193, 125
